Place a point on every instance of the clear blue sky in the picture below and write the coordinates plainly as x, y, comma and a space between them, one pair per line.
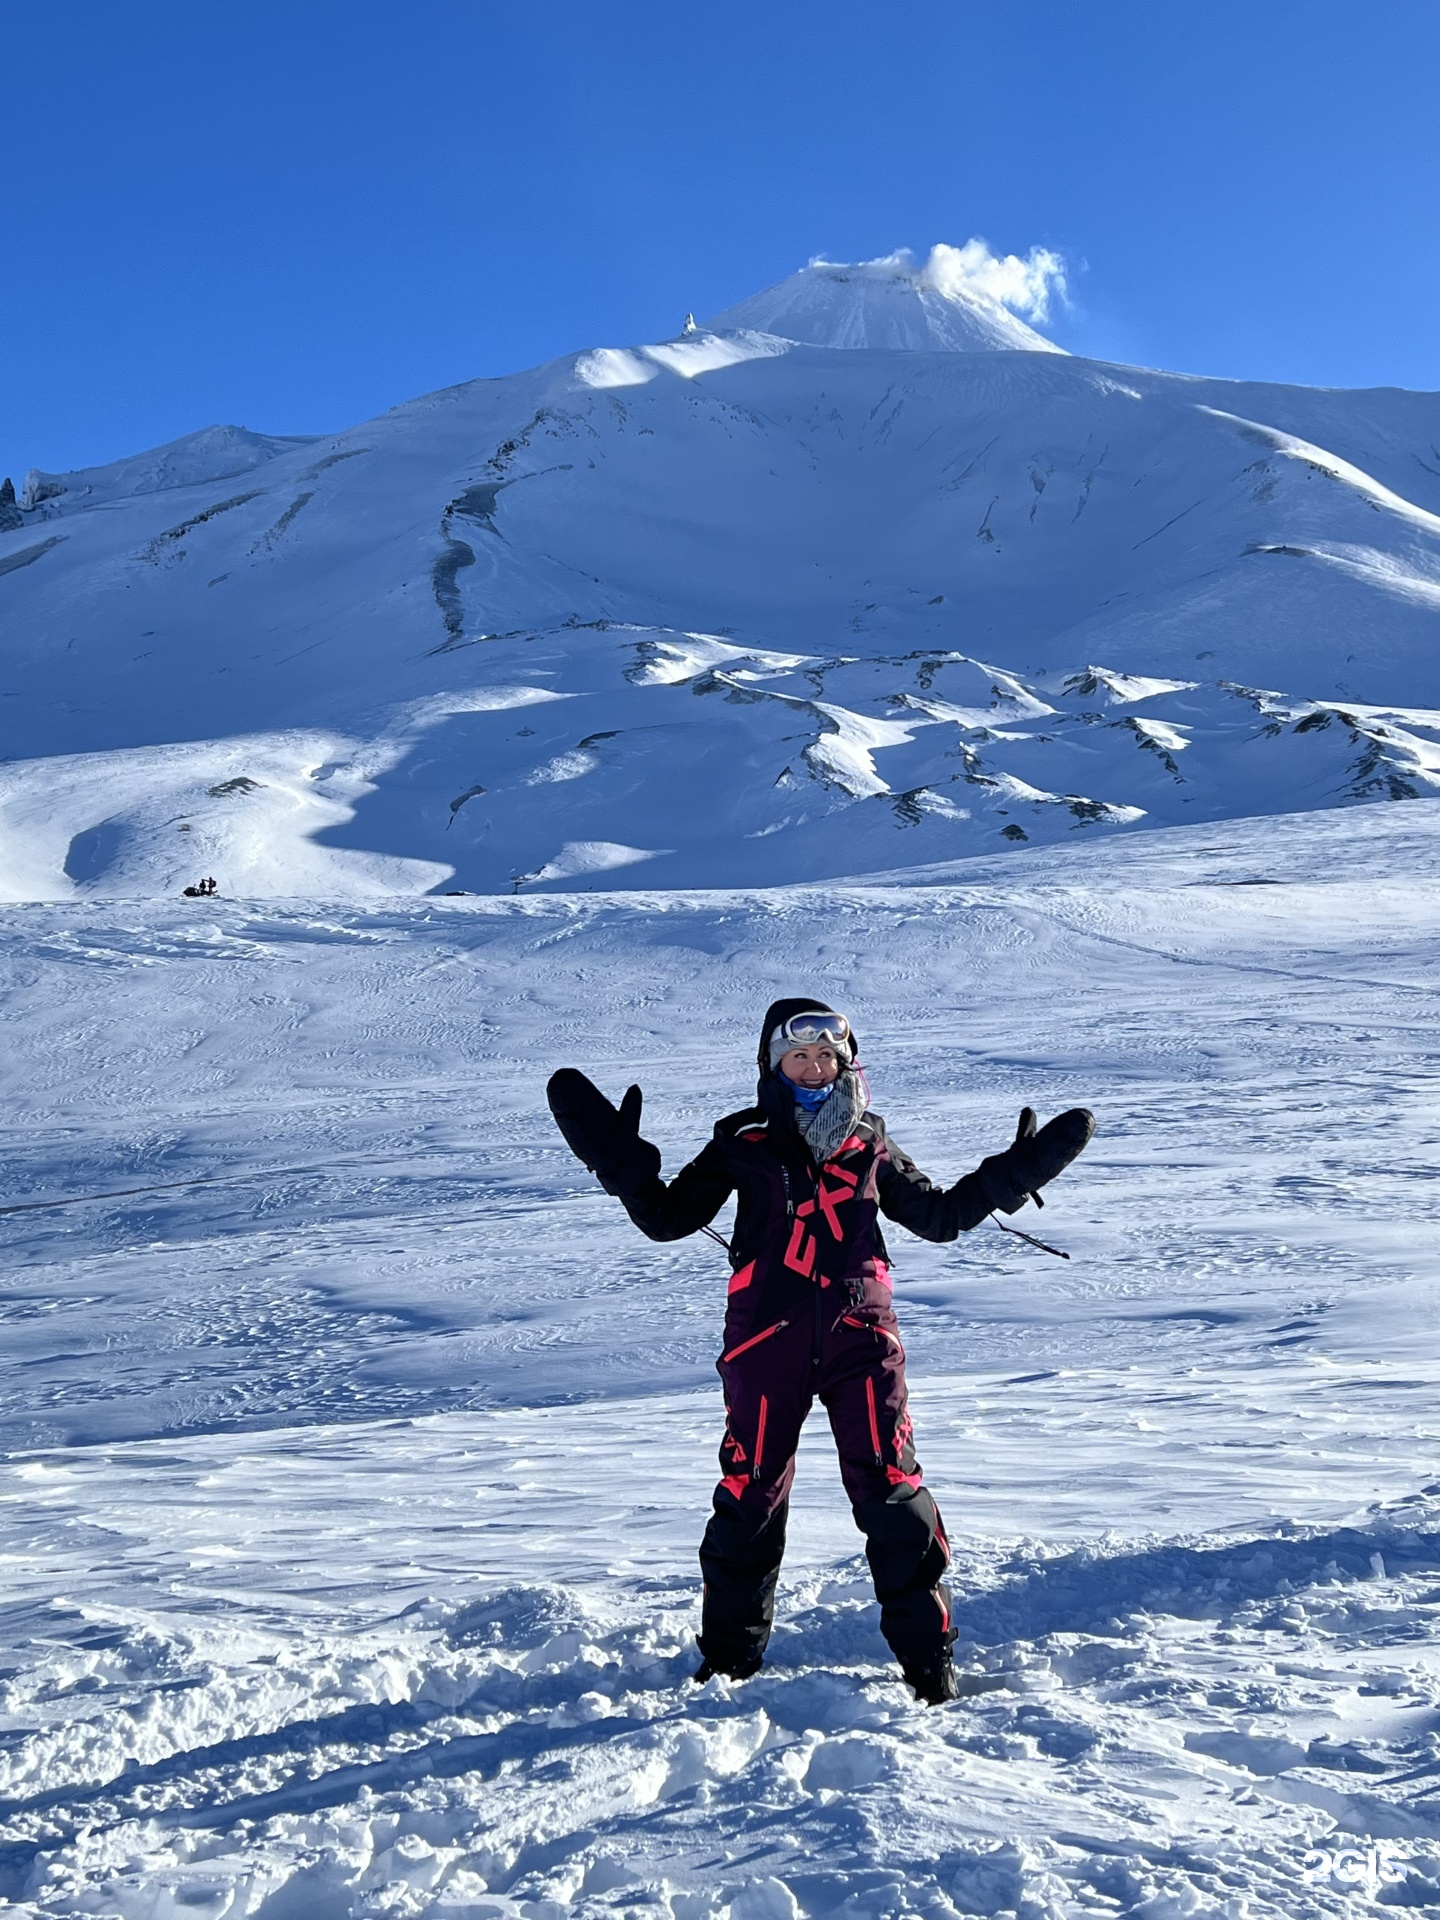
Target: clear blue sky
291, 214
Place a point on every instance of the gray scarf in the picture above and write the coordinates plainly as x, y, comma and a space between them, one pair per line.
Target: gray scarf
834, 1122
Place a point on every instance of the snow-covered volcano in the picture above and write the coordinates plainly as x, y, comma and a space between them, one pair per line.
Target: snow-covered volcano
730, 608
950, 303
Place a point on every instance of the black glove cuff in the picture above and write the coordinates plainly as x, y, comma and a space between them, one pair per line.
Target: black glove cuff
998, 1182
626, 1173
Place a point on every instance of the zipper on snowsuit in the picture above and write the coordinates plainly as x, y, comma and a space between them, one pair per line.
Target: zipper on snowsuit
868, 1326
754, 1340
760, 1437
814, 1277
874, 1423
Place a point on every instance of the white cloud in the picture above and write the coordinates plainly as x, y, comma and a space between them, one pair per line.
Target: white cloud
972, 272
1025, 286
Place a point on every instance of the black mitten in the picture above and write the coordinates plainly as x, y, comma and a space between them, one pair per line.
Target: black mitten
1034, 1159
607, 1139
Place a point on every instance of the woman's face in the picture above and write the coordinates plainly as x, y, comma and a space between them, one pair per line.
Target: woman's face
813, 1066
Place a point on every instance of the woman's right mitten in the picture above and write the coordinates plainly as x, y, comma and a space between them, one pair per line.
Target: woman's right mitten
606, 1138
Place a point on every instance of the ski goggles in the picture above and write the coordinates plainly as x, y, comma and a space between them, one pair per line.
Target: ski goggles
809, 1029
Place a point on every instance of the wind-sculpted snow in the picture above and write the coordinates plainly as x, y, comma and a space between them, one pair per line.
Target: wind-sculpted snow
357, 1447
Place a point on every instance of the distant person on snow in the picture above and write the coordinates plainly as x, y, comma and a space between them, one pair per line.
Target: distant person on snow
810, 1315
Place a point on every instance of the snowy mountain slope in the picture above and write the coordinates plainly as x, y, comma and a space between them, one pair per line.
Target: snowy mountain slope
960, 555
215, 453
351, 1494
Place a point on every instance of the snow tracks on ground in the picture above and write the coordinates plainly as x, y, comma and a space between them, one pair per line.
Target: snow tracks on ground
357, 1448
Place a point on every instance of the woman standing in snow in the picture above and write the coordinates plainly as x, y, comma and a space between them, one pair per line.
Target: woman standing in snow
810, 1314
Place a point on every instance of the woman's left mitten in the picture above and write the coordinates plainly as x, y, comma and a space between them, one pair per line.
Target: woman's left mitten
1034, 1159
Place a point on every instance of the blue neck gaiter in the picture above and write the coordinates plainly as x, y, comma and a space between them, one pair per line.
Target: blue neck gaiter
811, 1098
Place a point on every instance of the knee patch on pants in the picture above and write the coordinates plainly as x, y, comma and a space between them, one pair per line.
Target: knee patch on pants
903, 1544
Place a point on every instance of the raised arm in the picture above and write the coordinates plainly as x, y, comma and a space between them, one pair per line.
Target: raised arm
671, 1209
1003, 1180
608, 1140
912, 1199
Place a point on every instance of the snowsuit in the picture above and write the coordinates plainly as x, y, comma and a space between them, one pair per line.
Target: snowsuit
809, 1315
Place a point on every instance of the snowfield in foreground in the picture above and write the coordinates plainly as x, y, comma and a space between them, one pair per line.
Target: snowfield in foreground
358, 1449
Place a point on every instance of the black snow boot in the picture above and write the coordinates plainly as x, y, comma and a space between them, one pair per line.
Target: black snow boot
934, 1679
737, 1670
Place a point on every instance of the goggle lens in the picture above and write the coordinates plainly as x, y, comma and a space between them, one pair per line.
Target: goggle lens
807, 1029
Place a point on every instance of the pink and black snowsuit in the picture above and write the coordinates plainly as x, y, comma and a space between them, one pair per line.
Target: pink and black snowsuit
810, 1316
